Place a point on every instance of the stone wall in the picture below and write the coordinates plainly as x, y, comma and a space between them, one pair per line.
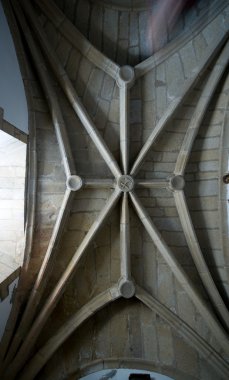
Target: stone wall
12, 188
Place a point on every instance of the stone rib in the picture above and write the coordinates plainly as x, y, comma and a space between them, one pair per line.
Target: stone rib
41, 280
70, 92
198, 257
192, 338
200, 110
55, 111
125, 239
92, 307
180, 275
57, 292
173, 106
71, 33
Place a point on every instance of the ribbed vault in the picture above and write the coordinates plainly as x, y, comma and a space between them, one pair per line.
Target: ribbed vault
125, 200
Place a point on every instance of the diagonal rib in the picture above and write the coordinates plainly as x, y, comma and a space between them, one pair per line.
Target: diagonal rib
125, 238
124, 127
183, 329
198, 258
200, 110
70, 92
173, 106
57, 292
41, 281
42, 356
180, 275
55, 111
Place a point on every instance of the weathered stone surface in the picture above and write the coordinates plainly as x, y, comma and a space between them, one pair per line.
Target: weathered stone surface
126, 328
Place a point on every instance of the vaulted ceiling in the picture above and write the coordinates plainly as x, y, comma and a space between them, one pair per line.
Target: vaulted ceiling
126, 258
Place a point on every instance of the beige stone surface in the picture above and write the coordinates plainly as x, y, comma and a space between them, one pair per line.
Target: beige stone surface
176, 327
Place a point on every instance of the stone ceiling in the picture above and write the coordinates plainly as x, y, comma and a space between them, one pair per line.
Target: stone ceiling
127, 247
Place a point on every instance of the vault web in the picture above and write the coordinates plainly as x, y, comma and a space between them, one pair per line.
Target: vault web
123, 185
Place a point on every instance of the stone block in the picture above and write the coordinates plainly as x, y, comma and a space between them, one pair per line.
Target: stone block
115, 270
165, 291
124, 25
210, 239
167, 224
186, 309
206, 144
174, 239
202, 176
205, 155
111, 135
87, 205
72, 65
100, 118
164, 167
40, 105
200, 45
186, 357
118, 340
69, 10
171, 211
63, 50
145, 43
148, 85
93, 90
221, 101
84, 72
203, 203
72, 239
174, 76
102, 238
133, 55
210, 131
215, 117
135, 111
161, 101
207, 372
148, 202
150, 266
81, 221
122, 52
134, 32
166, 353
206, 188
102, 343
82, 17
148, 115
52, 34
214, 30
110, 30
102, 265
137, 269
50, 186
96, 26
108, 88
136, 132
188, 58
114, 111
150, 344
134, 330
